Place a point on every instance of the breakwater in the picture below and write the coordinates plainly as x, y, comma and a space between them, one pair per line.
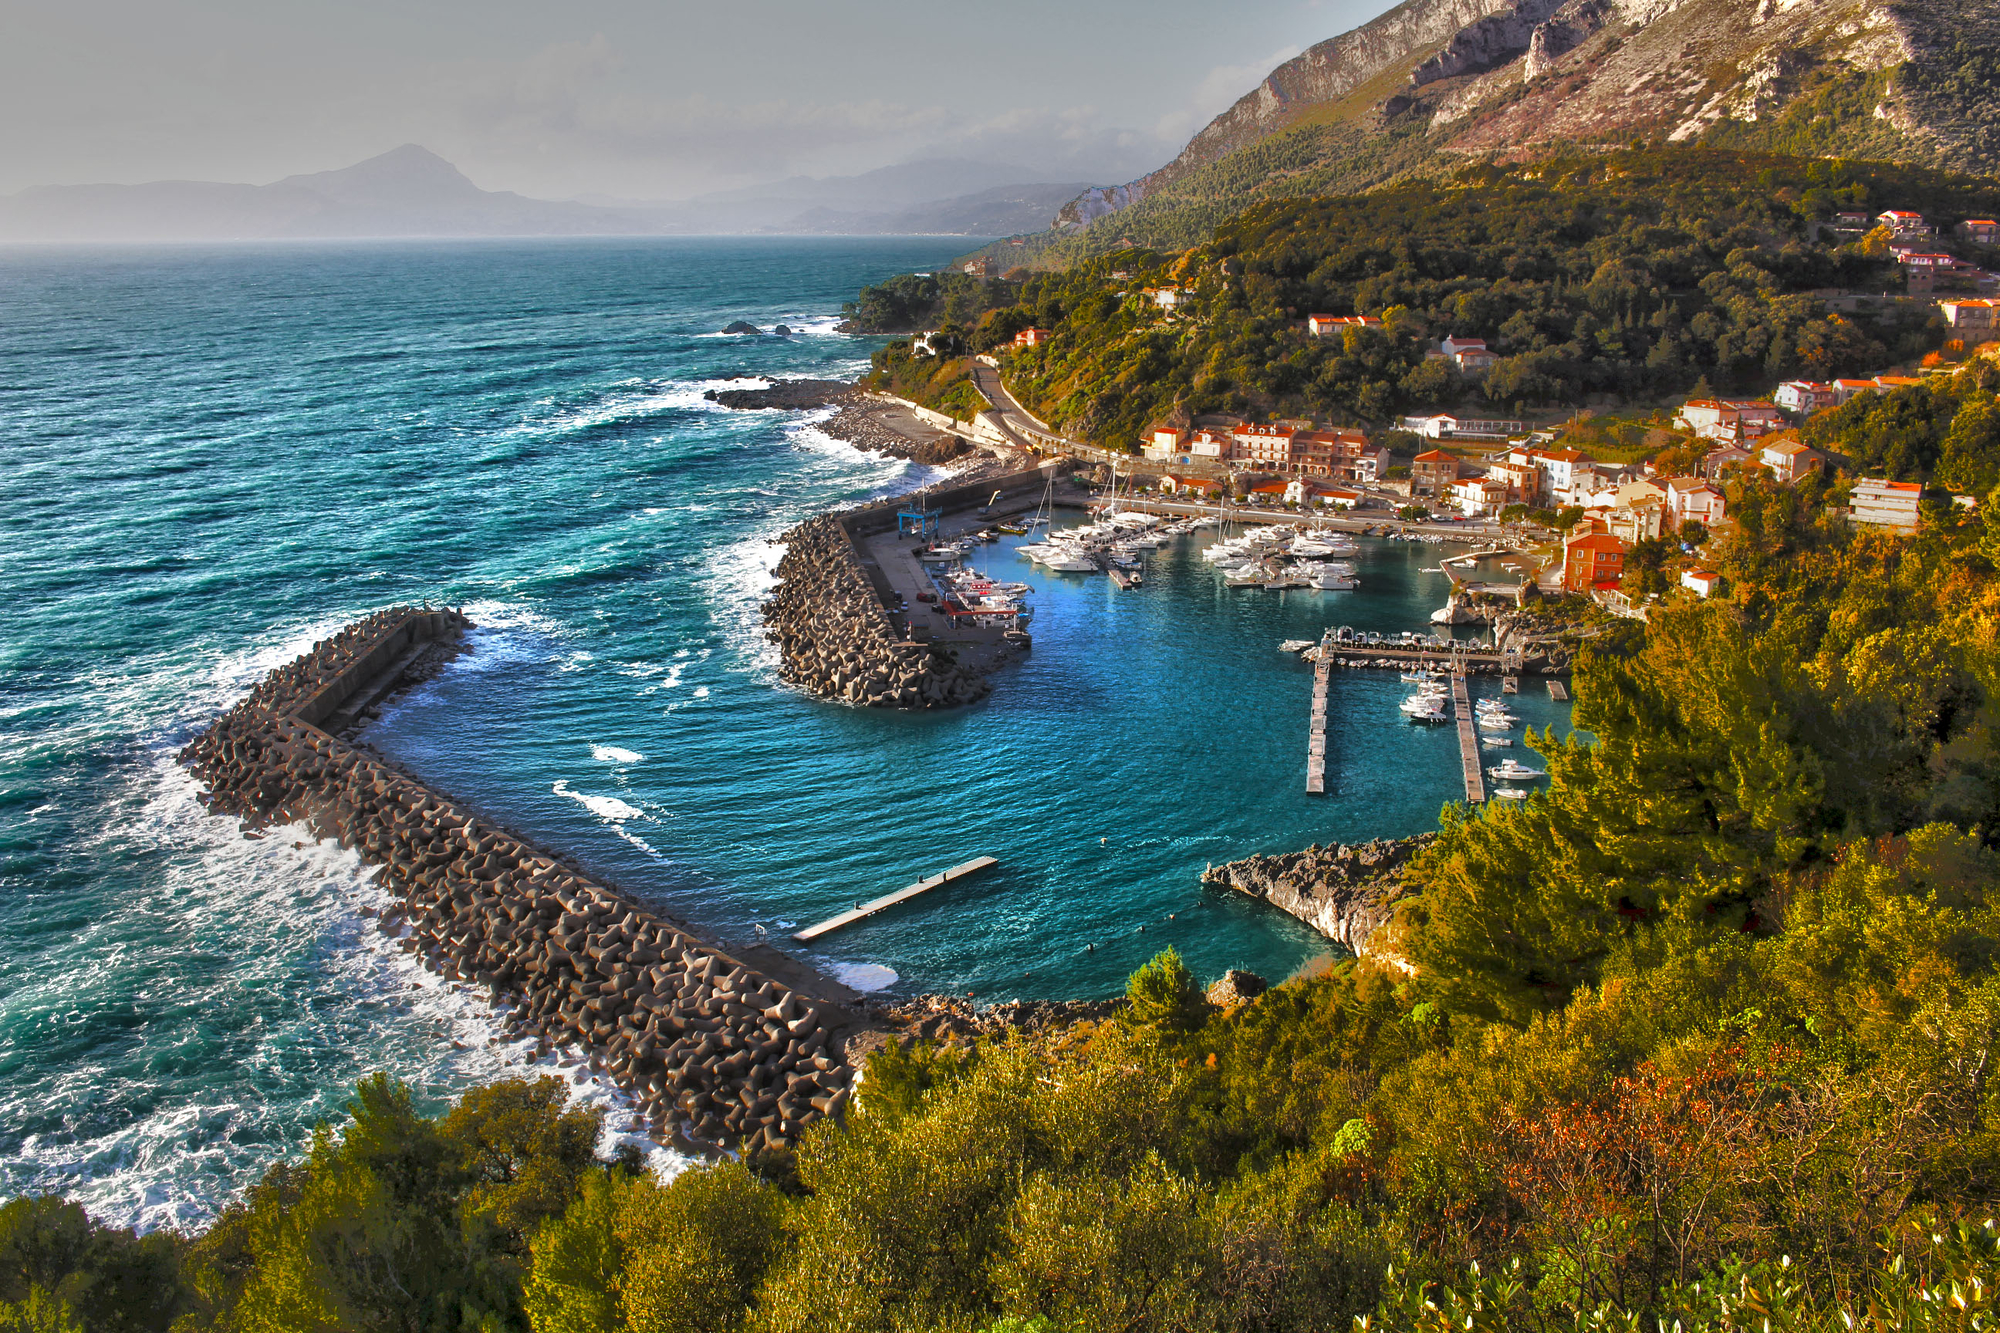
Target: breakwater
835, 638
1345, 893
830, 618
702, 1041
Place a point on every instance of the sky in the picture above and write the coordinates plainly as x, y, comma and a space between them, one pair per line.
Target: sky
627, 99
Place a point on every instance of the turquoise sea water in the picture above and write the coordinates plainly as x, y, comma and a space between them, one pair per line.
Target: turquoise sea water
213, 457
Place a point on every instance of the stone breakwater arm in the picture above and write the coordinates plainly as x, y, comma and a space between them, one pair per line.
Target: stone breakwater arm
835, 639
699, 1039
1346, 893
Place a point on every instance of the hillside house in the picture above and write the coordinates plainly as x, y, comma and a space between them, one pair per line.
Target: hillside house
1167, 298
1565, 473
1729, 418
1856, 223
1031, 337
1718, 463
1700, 582
978, 268
1846, 389
1972, 319
1593, 561
1788, 459
1886, 504
1802, 398
1690, 499
1901, 222
1322, 326
1980, 231
1433, 472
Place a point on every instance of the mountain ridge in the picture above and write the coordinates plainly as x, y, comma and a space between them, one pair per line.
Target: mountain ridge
1432, 84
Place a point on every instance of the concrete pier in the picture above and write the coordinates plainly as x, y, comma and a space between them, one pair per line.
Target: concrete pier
862, 911
1468, 741
1316, 728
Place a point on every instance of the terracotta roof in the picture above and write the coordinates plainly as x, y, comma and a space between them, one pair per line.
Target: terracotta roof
1432, 456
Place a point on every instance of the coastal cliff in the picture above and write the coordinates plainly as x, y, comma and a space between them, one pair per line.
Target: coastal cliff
1346, 893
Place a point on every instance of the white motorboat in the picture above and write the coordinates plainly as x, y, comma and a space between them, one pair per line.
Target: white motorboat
1492, 723
1513, 770
1295, 645
1496, 742
1433, 715
1510, 793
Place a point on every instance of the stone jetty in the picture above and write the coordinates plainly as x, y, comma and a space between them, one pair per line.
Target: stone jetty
704, 1043
1345, 893
835, 639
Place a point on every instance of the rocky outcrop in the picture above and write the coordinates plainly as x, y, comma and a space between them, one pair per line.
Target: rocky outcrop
946, 1019
1236, 987
742, 326
786, 395
700, 1040
1345, 893
835, 640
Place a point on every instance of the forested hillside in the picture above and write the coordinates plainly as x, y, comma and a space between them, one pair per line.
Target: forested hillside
1700, 1037
1627, 277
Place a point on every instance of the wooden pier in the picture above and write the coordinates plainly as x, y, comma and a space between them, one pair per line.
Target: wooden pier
1316, 729
868, 909
1558, 692
1468, 740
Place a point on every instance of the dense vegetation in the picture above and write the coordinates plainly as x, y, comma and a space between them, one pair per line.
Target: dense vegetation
1945, 430
1625, 277
1703, 1034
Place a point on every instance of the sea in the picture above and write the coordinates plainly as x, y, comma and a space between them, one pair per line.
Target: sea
214, 456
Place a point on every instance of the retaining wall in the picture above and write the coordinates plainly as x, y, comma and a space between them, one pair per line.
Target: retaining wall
702, 1041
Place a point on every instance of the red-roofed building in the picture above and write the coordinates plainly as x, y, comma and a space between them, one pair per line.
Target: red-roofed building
1973, 319
1803, 397
1321, 326
1846, 389
1980, 231
1433, 472
1592, 561
1789, 459
1701, 582
1902, 222
1031, 337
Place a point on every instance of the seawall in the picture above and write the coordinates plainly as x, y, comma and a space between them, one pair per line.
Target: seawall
831, 621
703, 1041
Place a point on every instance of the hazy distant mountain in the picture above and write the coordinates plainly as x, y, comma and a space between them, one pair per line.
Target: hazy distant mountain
1005, 210
411, 191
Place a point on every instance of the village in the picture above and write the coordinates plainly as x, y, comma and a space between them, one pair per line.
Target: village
1482, 469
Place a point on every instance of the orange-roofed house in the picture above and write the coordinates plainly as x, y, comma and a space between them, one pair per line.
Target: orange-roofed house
1846, 389
1593, 561
1321, 326
1189, 485
1164, 441
1031, 337
1433, 472
1972, 318
1902, 222
1980, 231
1701, 582
1803, 397
1886, 504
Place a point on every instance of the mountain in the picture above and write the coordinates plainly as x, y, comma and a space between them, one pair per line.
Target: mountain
1003, 211
408, 191
411, 191
1433, 83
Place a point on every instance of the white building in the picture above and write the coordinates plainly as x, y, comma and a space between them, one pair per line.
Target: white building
1886, 504
1445, 426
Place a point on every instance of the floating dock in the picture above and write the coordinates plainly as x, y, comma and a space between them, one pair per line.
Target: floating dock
1468, 740
1557, 692
1316, 728
860, 911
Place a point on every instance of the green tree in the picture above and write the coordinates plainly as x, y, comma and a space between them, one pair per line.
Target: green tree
1164, 996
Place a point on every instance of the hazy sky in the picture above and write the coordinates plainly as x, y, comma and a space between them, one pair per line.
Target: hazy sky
624, 97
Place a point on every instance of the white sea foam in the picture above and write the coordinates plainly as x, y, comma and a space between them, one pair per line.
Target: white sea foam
611, 754
607, 808
633, 400
865, 977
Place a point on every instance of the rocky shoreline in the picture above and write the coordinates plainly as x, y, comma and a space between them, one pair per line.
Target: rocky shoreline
702, 1042
835, 640
859, 420
1346, 893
